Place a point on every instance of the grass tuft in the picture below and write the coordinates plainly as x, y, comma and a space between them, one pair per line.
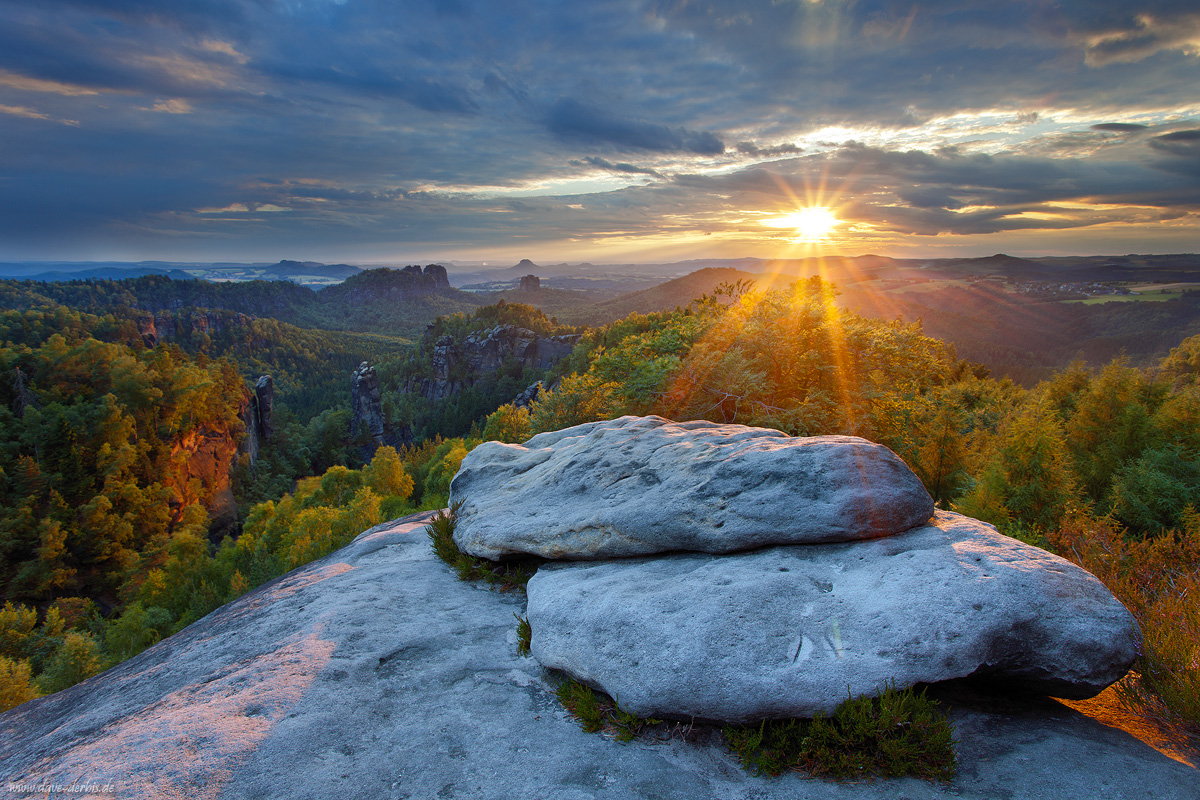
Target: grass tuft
901, 732
524, 635
598, 712
507, 576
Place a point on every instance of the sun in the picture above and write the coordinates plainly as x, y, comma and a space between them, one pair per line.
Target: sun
811, 224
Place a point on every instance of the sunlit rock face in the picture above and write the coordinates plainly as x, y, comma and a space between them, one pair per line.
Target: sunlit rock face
640, 485
790, 631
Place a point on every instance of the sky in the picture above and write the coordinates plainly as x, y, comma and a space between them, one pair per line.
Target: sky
401, 131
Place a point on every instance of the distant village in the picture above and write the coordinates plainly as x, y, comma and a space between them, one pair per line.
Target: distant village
1068, 291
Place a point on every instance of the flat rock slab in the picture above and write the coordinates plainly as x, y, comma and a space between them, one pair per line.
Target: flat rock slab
641, 485
374, 674
790, 631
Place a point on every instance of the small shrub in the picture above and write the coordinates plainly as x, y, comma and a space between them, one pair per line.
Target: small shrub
598, 712
898, 733
524, 635
505, 575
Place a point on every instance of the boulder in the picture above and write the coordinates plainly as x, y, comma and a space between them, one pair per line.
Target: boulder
790, 631
640, 485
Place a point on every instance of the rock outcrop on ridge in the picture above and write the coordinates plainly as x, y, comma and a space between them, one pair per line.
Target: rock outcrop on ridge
456, 363
858, 588
375, 674
640, 485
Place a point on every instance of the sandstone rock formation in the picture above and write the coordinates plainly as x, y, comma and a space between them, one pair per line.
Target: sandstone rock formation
367, 413
530, 283
789, 631
456, 364
258, 417
365, 403
205, 457
375, 673
528, 397
857, 588
641, 485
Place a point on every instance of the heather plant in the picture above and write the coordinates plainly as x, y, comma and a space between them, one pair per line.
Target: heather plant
899, 733
1158, 579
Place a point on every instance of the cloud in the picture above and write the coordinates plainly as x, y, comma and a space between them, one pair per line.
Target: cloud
623, 167
1149, 34
573, 120
31, 84
173, 106
22, 111
1178, 143
402, 122
751, 149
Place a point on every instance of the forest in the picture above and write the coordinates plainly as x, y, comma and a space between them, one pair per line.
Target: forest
105, 536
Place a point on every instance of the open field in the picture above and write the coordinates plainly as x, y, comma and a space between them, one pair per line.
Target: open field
1151, 288
1128, 298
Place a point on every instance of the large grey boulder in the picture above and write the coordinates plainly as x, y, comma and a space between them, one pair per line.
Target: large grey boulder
790, 631
640, 485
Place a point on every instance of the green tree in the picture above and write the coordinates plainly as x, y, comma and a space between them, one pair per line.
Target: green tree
78, 657
385, 474
16, 683
508, 424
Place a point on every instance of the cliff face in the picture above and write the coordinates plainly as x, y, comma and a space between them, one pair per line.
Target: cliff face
257, 415
460, 363
166, 326
202, 460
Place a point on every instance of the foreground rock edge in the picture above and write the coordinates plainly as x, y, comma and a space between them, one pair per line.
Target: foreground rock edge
419, 699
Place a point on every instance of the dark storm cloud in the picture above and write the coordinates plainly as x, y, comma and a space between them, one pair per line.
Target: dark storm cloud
1178, 143
571, 119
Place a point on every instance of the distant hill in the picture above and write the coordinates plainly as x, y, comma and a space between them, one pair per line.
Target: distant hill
389, 301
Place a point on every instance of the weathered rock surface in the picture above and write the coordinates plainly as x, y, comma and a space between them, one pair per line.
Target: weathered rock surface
787, 631
373, 673
640, 485
530, 283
